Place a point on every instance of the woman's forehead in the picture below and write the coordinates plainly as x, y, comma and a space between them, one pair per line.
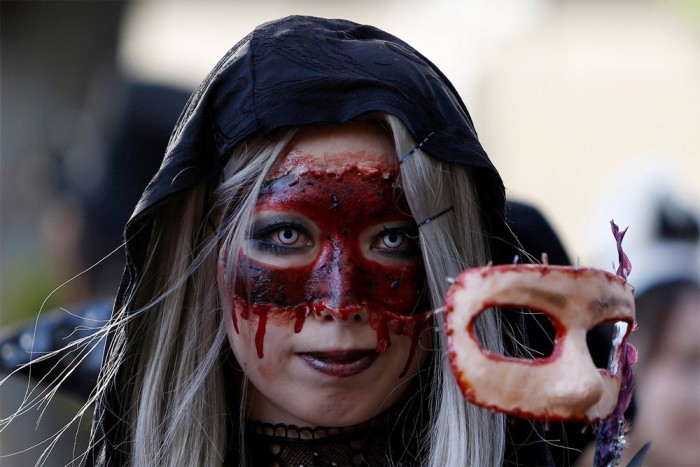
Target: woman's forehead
337, 148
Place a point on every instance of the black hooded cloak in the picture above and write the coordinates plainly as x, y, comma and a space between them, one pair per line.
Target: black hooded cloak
302, 71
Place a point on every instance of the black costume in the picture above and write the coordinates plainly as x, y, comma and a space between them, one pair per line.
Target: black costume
302, 71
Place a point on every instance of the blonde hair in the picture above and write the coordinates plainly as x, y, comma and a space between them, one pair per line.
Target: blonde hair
166, 352
461, 433
167, 356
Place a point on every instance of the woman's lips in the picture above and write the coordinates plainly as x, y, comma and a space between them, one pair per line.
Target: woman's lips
342, 363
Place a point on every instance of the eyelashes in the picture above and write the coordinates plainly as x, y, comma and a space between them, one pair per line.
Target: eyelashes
291, 238
281, 237
396, 242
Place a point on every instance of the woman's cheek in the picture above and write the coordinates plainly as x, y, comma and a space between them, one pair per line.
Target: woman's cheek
239, 333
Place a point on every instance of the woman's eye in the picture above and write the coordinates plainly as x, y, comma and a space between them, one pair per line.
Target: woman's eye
396, 242
281, 238
393, 240
287, 236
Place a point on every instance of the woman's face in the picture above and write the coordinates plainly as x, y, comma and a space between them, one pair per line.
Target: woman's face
668, 392
328, 310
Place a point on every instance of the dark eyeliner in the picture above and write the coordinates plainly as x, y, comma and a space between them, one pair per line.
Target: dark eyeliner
412, 251
261, 230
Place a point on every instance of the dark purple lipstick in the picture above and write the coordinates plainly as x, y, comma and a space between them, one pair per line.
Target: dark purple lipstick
340, 363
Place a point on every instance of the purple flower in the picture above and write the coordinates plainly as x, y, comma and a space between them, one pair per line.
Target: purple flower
625, 267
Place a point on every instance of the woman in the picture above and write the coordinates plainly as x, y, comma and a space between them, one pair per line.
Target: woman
320, 188
668, 379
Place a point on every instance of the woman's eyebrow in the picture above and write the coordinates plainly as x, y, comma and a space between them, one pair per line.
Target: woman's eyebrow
278, 183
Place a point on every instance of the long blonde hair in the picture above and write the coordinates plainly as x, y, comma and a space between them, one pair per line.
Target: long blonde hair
461, 433
166, 351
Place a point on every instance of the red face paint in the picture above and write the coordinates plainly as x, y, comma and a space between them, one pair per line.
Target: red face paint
341, 227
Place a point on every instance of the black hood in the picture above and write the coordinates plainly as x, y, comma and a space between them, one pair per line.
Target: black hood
301, 71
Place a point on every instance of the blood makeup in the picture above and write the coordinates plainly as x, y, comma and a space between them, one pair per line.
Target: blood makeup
332, 263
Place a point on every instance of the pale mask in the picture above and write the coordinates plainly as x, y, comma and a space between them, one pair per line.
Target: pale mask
564, 386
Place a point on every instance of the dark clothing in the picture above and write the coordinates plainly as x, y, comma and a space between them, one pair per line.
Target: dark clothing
303, 71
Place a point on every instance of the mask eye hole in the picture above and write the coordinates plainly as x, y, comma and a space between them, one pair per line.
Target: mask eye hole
600, 340
540, 328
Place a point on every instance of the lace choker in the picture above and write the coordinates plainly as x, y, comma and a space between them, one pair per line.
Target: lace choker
281, 430
289, 445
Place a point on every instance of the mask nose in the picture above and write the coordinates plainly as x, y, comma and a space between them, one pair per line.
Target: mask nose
579, 391
580, 385
332, 286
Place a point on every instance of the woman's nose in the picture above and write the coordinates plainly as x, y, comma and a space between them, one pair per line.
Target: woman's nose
334, 281
349, 315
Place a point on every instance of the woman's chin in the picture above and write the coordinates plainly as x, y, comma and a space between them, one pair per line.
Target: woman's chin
326, 418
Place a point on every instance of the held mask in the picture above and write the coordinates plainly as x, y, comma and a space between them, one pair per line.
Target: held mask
564, 386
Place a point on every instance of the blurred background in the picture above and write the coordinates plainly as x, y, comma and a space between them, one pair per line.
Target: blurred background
588, 108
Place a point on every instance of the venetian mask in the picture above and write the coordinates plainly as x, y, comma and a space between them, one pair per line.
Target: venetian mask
563, 386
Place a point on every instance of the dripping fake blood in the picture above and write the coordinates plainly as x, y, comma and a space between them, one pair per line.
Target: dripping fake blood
341, 280
383, 322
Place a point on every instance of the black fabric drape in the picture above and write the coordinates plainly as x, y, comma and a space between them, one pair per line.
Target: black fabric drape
303, 71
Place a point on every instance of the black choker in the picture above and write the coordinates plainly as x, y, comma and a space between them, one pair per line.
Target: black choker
294, 432
289, 445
